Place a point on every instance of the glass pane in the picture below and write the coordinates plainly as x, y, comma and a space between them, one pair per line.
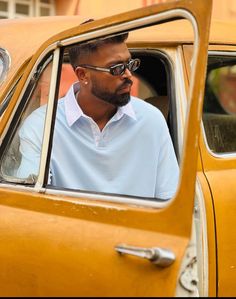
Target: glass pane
3, 6
22, 9
1, 67
44, 11
219, 114
16, 163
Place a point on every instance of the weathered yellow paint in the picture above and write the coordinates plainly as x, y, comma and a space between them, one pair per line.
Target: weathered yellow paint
40, 231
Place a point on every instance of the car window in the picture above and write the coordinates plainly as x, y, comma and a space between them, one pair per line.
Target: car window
36, 96
90, 155
152, 83
219, 111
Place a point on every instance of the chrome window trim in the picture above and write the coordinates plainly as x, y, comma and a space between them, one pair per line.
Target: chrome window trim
48, 120
136, 202
181, 97
6, 58
213, 154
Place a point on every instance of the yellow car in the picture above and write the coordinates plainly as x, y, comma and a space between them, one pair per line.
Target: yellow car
69, 242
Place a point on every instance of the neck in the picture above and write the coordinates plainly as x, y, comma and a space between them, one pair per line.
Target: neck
100, 111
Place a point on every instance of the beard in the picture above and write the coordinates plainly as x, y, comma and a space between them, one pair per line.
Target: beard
114, 98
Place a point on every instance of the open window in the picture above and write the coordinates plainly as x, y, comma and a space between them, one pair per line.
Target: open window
153, 83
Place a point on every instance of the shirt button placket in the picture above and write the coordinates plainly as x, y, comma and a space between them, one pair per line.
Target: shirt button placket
96, 133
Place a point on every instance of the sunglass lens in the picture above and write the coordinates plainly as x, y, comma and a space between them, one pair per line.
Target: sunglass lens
134, 65
118, 69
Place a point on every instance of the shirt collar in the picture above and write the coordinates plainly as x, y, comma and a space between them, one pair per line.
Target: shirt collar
72, 109
127, 109
74, 112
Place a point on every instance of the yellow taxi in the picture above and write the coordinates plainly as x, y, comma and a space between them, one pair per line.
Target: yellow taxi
70, 242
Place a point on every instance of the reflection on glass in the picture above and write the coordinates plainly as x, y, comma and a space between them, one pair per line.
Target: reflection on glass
219, 115
19, 160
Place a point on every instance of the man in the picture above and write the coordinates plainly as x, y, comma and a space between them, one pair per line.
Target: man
104, 139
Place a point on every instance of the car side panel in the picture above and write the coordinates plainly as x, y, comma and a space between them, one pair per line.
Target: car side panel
67, 248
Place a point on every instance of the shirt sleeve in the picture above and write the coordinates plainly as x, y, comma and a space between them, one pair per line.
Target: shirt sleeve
30, 134
30, 157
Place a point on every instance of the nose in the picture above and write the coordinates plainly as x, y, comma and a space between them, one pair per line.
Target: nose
127, 73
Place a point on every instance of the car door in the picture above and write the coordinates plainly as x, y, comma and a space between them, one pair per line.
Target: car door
67, 243
218, 148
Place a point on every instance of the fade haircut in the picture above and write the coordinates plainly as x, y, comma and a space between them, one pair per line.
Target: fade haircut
85, 49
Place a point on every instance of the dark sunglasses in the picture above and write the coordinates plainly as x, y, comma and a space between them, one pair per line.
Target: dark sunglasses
118, 69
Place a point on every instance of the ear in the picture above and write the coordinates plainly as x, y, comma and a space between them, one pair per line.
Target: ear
82, 74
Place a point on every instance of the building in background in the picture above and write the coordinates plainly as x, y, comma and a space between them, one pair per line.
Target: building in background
222, 9
26, 8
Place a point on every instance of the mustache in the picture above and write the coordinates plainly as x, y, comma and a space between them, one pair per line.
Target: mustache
125, 83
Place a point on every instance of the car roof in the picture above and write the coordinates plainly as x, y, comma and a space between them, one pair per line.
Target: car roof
22, 37
221, 32
34, 31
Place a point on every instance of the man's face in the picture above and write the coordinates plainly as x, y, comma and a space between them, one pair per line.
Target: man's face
112, 89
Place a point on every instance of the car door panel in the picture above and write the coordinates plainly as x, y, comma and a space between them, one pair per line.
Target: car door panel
68, 248
63, 243
219, 170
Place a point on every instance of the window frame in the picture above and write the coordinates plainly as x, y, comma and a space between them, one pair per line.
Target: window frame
222, 155
6, 63
101, 32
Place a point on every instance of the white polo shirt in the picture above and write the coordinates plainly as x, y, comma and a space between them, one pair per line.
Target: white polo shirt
132, 155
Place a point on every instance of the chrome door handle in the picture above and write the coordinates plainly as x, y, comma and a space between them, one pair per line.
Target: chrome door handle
159, 256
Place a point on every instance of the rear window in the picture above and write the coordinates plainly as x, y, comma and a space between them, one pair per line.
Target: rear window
219, 111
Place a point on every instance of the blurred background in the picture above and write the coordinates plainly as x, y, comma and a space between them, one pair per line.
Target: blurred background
222, 9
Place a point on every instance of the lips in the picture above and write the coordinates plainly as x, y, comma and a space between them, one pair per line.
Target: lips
126, 87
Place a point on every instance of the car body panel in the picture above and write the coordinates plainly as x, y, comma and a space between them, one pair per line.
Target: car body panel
61, 244
219, 176
45, 27
209, 234
224, 205
67, 248
220, 173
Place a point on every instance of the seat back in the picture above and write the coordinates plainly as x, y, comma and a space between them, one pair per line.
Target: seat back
161, 102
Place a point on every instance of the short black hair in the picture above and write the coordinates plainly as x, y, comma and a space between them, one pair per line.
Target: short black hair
80, 50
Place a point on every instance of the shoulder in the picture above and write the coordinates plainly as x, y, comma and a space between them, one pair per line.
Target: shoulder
145, 110
34, 122
37, 115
